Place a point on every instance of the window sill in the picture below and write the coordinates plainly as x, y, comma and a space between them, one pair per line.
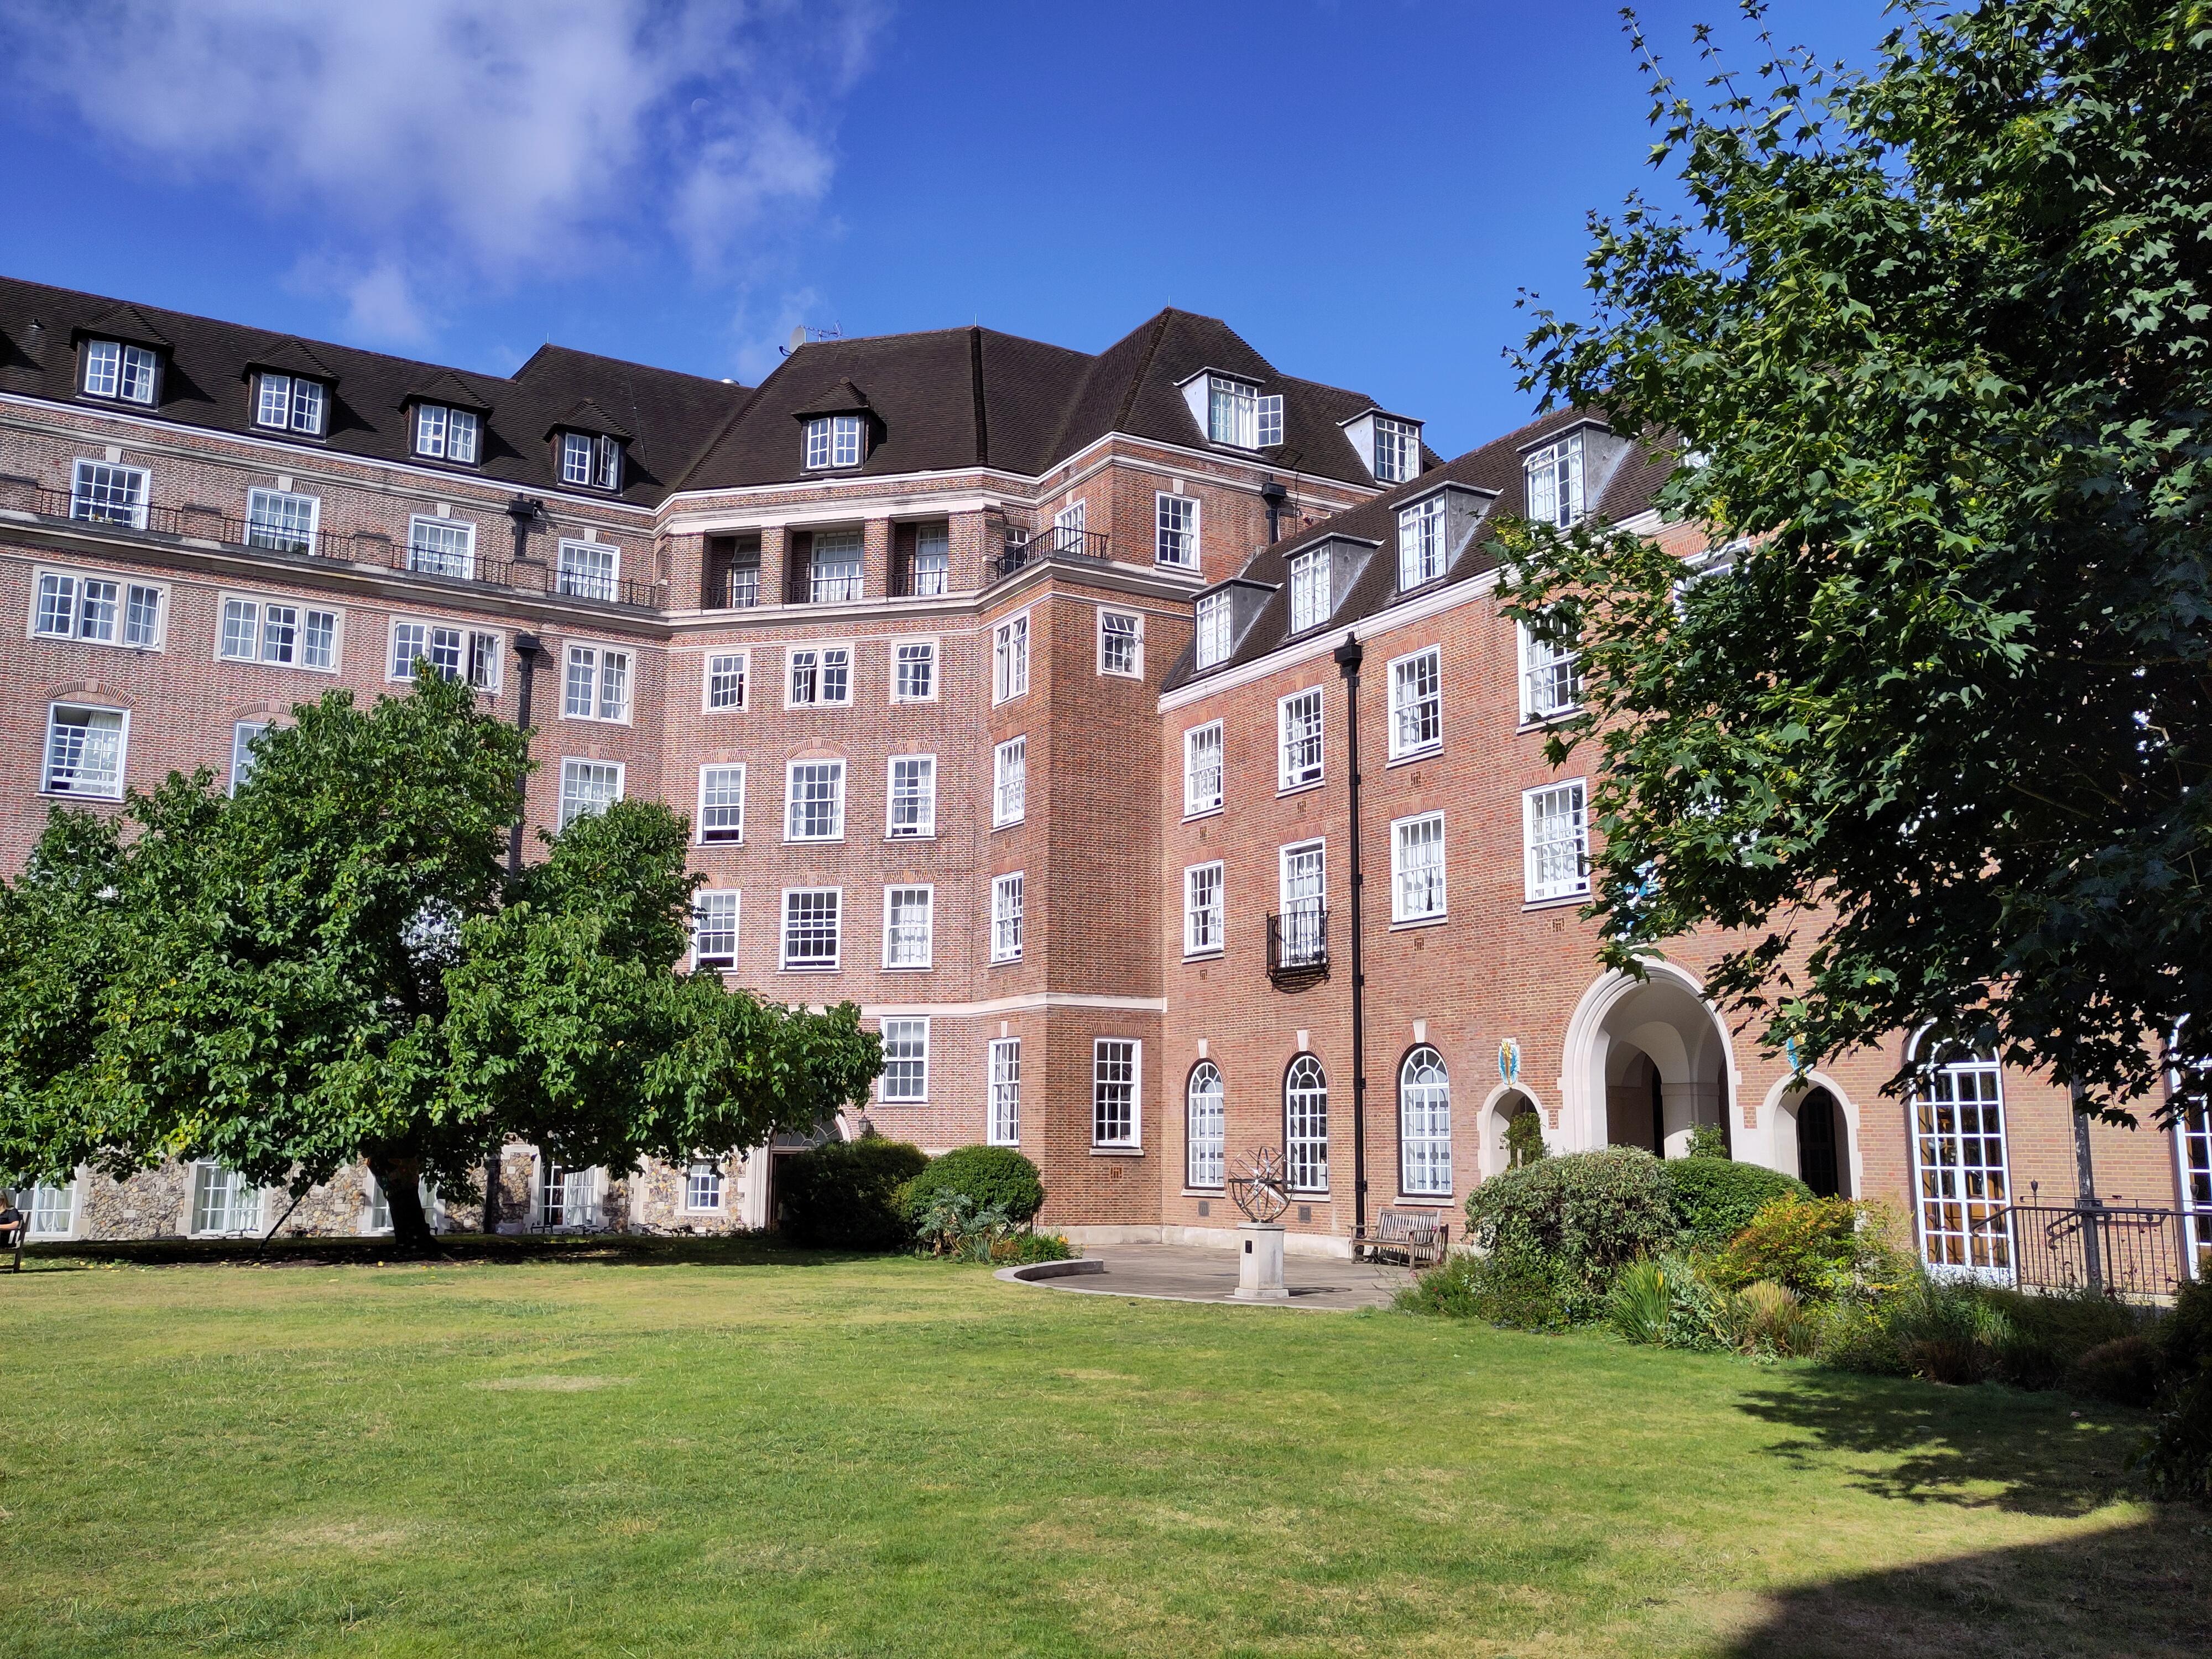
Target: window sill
813, 840
932, 835
810, 968
73, 794
911, 702
1532, 723
1004, 962
1011, 823
1423, 1200
1117, 1151
794, 707
1299, 788
1413, 755
908, 967
581, 719
1419, 922
1213, 811
1215, 955
722, 841
1558, 904
729, 966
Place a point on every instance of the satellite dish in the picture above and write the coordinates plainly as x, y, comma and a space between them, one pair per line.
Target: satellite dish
797, 339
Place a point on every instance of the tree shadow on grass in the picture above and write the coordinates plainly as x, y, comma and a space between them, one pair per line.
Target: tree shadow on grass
1978, 1448
2142, 1591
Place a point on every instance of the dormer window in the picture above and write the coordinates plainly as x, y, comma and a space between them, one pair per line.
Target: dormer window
1310, 575
1555, 483
1397, 450
591, 461
445, 434
290, 403
1237, 414
833, 441
1421, 543
113, 369
1214, 619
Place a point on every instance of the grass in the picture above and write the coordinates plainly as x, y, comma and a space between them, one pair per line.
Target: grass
725, 1450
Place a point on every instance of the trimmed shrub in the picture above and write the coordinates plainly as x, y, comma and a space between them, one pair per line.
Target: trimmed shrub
1586, 1214
1516, 1290
843, 1194
993, 1177
1821, 1248
1713, 1200
2125, 1370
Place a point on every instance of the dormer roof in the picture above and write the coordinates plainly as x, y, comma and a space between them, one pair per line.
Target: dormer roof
447, 387
588, 416
842, 398
289, 356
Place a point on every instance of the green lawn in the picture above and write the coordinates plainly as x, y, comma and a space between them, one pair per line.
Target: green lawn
733, 1452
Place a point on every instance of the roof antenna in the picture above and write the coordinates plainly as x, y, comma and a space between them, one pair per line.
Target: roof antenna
834, 332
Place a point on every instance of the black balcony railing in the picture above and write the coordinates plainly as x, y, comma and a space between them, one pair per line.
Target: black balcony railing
2119, 1250
1059, 542
1297, 945
205, 525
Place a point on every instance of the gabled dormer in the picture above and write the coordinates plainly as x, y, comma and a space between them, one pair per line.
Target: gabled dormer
1389, 446
289, 390
589, 448
445, 421
1233, 410
1434, 528
837, 429
1226, 612
121, 358
1565, 471
1322, 575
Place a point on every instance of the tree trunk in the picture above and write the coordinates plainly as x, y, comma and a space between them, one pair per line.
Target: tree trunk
400, 1176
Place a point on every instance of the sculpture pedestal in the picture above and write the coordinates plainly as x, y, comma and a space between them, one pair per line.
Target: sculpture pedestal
1260, 1262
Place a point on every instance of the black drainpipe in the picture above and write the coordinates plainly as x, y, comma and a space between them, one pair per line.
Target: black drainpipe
1273, 493
1347, 662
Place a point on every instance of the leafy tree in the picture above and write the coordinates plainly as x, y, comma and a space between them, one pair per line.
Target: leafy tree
334, 965
1930, 346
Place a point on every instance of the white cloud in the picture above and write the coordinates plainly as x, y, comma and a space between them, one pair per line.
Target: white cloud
432, 143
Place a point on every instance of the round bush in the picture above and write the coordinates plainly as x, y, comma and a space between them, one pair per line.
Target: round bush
1713, 1199
843, 1194
1591, 1213
994, 1177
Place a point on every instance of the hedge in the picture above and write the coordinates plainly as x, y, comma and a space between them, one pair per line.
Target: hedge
1591, 1213
1713, 1200
995, 1177
843, 1194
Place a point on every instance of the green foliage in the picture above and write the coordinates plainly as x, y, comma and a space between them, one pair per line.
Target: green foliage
951, 1223
2188, 1333
1707, 1140
2175, 1458
844, 1194
1524, 1139
1931, 352
1713, 1200
1946, 1330
333, 965
2127, 1370
1589, 1214
1514, 1288
2049, 1335
991, 1177
1641, 1304
1767, 1320
1824, 1248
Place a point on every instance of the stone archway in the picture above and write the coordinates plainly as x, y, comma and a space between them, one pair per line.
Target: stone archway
1823, 1154
1647, 1061
1506, 1102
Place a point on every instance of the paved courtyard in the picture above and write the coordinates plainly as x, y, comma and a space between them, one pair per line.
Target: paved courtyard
1187, 1273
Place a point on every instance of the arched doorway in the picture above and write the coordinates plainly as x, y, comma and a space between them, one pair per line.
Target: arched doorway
1821, 1162
1814, 1135
1647, 1061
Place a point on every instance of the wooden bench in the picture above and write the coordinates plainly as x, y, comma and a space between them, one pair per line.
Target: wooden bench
11, 1241
1419, 1236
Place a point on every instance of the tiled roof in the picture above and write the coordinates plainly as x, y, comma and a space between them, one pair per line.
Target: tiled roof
667, 416
1496, 469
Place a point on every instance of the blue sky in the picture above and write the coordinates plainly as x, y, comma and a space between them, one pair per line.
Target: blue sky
1359, 188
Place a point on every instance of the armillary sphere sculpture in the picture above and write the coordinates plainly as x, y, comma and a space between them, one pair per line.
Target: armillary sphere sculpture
1263, 1191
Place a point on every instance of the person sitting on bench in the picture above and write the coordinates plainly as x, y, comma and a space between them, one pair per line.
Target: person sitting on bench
14, 1224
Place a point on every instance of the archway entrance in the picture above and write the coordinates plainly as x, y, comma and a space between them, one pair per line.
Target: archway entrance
1664, 1062
1821, 1164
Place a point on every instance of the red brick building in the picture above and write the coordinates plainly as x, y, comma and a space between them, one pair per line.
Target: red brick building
1006, 687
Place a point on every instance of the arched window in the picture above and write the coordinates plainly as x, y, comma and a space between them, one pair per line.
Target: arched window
1305, 1125
1423, 1124
1959, 1149
1205, 1140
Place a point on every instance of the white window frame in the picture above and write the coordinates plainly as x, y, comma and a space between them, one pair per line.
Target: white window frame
899, 660
1215, 641
734, 664
1541, 672
243, 1212
291, 406
698, 1171
1100, 1083
925, 828
573, 804
834, 443
580, 577
1205, 926
1008, 894
243, 734
1549, 891
596, 659
1301, 1161
1176, 519
68, 586
284, 539
426, 560
1135, 671
92, 498
844, 589
1232, 412
790, 803
114, 367
449, 427
1981, 1252
1206, 1170
1425, 1148
1002, 1100
304, 616
1402, 843
46, 753
928, 891
1405, 698
41, 1204
914, 1024
1310, 576
937, 547
472, 645
737, 906
1301, 944
1301, 776
818, 665
1397, 450
809, 965
1194, 803
1423, 556
1009, 782
735, 835
1560, 498
1010, 658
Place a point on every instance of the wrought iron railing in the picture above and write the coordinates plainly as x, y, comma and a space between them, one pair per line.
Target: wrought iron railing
1298, 943
1059, 542
205, 525
2121, 1250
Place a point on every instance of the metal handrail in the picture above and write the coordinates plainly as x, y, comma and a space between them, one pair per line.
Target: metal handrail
1297, 942
1058, 542
206, 524
2117, 1250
